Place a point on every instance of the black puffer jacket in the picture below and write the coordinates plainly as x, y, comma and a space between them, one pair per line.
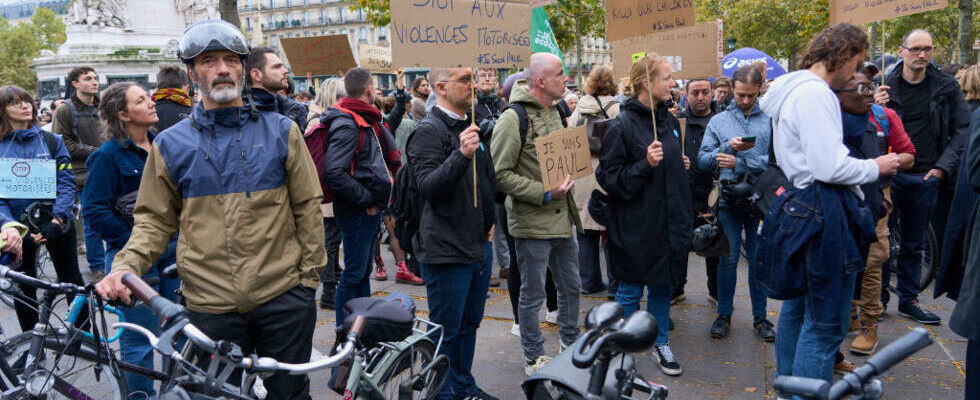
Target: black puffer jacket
650, 209
292, 109
358, 178
949, 116
451, 230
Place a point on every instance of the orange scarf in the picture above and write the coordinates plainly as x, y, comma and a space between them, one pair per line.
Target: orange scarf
175, 95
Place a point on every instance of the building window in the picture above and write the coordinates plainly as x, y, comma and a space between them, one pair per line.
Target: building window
306, 19
363, 34
272, 3
382, 32
323, 16
248, 24
341, 15
288, 3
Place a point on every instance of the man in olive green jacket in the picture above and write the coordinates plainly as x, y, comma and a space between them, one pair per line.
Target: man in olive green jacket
541, 222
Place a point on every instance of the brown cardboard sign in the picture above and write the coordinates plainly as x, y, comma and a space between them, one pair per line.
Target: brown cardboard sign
693, 52
376, 58
319, 55
460, 33
563, 153
631, 18
867, 11
541, 3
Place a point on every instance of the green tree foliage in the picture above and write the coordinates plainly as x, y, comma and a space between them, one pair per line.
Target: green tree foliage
377, 12
778, 28
574, 20
21, 43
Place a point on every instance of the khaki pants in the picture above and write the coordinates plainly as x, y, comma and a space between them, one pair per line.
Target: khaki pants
869, 304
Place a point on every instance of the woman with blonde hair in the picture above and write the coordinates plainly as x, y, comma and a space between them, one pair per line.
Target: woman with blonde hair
650, 217
331, 90
969, 79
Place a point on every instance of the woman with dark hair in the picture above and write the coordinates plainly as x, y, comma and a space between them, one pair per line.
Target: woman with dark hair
115, 170
21, 138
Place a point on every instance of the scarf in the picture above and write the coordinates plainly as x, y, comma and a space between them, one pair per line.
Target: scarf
373, 116
175, 95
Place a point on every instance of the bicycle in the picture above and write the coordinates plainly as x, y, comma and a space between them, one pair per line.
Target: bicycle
862, 382
383, 371
599, 365
57, 362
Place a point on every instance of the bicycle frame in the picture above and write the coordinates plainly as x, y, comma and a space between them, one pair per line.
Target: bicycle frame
71, 317
364, 384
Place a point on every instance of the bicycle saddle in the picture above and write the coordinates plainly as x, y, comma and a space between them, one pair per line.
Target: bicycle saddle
638, 333
604, 316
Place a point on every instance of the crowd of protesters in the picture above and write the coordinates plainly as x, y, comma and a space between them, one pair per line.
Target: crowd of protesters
866, 148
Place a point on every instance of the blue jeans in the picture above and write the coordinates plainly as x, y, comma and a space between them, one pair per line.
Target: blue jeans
457, 295
658, 304
134, 347
733, 222
357, 233
800, 351
915, 200
95, 249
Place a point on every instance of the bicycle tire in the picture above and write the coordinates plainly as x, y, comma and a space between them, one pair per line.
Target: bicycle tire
75, 370
929, 258
407, 364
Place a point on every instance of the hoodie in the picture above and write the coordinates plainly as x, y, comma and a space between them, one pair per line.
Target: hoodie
807, 140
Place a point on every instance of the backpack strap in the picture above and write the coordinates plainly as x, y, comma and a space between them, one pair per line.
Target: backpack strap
602, 108
74, 116
881, 117
521, 123
361, 124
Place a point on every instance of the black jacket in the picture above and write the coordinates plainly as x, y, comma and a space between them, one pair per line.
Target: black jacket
451, 230
701, 181
949, 115
650, 209
866, 148
964, 319
292, 109
358, 178
394, 118
170, 113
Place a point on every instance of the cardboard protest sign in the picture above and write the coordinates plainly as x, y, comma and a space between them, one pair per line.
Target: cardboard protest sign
457, 33
375, 58
865, 12
692, 52
631, 18
541, 3
319, 55
563, 153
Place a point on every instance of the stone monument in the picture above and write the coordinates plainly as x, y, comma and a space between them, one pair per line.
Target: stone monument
121, 39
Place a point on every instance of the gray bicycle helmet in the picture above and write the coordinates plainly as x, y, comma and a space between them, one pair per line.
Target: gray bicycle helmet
210, 35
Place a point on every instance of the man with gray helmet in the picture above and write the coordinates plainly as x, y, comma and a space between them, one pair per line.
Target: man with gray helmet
242, 187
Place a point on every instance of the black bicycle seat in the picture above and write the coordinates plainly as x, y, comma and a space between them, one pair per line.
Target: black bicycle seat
171, 271
604, 316
637, 334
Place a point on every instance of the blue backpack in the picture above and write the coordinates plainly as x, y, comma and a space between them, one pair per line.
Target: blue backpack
882, 119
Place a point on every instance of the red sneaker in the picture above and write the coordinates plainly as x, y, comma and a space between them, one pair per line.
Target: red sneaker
379, 270
405, 276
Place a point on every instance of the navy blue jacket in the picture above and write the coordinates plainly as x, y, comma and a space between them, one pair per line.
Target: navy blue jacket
115, 170
811, 238
277, 103
359, 179
29, 144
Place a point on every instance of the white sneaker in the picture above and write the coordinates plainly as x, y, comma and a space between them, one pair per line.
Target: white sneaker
551, 317
515, 330
259, 389
562, 346
530, 367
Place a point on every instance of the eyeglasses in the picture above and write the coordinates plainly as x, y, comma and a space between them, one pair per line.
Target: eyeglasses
919, 50
862, 89
18, 103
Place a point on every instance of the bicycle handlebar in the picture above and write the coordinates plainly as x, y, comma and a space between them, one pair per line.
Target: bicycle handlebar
885, 359
63, 288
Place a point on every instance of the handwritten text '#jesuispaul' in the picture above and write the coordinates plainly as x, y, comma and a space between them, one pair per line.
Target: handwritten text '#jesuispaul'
899, 6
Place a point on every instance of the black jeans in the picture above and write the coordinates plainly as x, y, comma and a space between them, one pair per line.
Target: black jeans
282, 328
331, 272
588, 262
64, 256
514, 277
972, 374
711, 269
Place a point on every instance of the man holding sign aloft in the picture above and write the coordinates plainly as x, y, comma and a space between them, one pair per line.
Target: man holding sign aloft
651, 213
541, 221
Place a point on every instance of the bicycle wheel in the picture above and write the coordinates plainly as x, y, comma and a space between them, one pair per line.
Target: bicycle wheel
408, 364
78, 373
927, 265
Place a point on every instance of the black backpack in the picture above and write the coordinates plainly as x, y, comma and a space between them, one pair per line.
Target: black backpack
406, 207
595, 126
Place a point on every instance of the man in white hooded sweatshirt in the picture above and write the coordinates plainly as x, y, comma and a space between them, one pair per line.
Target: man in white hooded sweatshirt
808, 144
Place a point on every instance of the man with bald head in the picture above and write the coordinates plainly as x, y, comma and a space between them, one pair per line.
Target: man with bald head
453, 241
541, 221
937, 119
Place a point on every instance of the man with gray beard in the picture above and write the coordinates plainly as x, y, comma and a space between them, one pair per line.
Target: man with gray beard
242, 187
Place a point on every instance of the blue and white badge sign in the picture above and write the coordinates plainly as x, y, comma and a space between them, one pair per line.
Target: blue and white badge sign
28, 179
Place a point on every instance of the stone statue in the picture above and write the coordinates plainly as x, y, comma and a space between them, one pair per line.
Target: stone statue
197, 10
99, 13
